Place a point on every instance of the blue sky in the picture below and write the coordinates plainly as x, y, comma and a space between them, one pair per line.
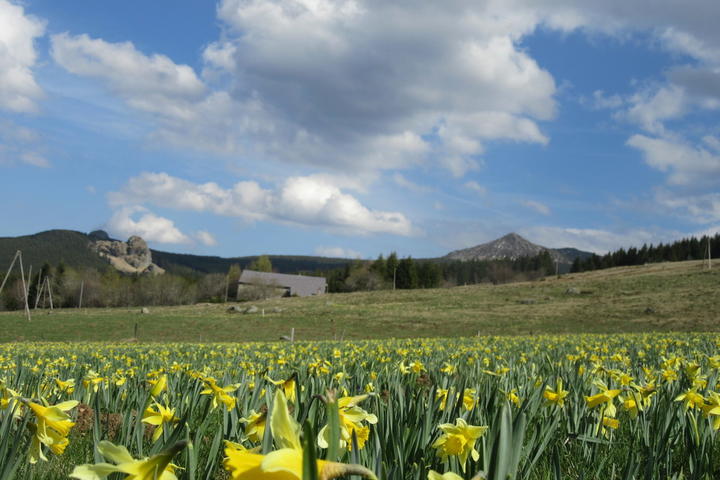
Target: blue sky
353, 127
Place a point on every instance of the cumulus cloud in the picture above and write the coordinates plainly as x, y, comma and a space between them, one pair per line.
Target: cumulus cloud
18, 31
337, 252
686, 165
308, 201
137, 220
651, 108
342, 84
152, 84
538, 207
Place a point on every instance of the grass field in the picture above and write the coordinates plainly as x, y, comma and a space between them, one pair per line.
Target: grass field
678, 296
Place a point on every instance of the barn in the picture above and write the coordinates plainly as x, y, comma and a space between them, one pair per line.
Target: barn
284, 284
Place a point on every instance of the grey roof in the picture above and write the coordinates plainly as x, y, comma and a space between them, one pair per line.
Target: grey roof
300, 285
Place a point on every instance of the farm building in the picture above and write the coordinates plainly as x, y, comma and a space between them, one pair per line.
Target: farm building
283, 284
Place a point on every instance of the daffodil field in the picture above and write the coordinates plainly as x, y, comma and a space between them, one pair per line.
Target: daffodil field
544, 407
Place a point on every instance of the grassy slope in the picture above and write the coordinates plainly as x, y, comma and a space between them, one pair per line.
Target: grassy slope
684, 297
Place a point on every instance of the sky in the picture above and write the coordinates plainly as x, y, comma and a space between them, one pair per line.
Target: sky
353, 128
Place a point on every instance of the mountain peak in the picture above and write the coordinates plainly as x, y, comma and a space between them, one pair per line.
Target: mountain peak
512, 246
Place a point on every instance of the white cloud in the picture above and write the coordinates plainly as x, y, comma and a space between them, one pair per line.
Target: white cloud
475, 187
342, 85
337, 252
152, 84
540, 208
206, 238
650, 108
152, 228
308, 201
18, 31
687, 165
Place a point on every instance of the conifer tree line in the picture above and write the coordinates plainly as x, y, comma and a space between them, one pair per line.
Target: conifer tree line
408, 273
692, 248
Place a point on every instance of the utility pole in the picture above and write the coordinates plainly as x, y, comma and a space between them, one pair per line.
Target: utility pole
7, 275
47, 281
82, 286
24, 286
709, 254
394, 277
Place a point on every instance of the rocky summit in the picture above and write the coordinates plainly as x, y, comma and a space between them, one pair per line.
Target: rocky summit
512, 246
132, 256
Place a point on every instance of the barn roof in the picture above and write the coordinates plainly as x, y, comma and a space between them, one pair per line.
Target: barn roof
300, 285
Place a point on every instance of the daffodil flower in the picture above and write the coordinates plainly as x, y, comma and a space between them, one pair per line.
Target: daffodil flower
459, 440
712, 409
255, 426
157, 467
556, 396
691, 399
51, 428
286, 463
219, 394
158, 385
159, 415
433, 475
67, 386
288, 387
351, 418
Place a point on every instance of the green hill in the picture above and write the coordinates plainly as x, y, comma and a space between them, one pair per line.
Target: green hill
71, 248
53, 247
678, 296
182, 263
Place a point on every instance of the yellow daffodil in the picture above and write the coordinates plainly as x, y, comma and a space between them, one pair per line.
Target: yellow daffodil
351, 418
604, 397
433, 475
288, 386
51, 428
556, 396
442, 394
459, 440
67, 386
469, 399
159, 416
691, 399
219, 394
285, 463
255, 426
158, 385
157, 467
712, 409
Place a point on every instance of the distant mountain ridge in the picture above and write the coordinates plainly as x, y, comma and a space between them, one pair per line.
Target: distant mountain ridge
512, 246
80, 250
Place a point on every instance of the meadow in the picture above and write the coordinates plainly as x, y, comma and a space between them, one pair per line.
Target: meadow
554, 397
641, 406
679, 296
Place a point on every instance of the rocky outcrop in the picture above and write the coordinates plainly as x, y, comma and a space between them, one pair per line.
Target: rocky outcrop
132, 256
